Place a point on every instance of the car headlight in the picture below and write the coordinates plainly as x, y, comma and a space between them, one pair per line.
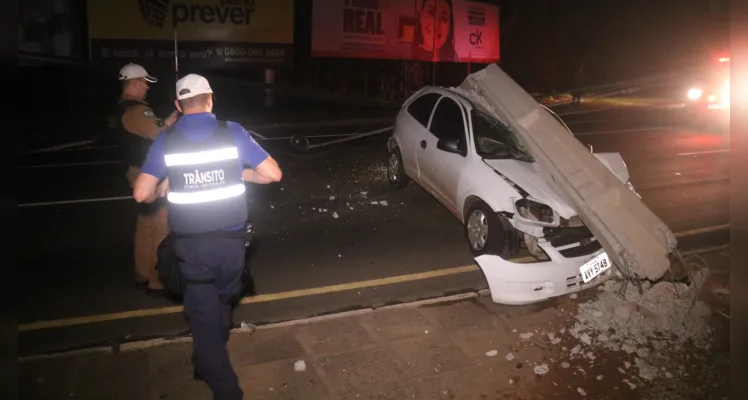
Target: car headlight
695, 93
534, 211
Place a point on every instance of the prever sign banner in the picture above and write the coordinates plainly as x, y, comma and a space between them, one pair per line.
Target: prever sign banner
210, 33
426, 30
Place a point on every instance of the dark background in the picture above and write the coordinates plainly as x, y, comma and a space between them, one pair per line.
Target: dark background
543, 43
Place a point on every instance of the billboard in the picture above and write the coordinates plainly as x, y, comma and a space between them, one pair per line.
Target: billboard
425, 30
210, 33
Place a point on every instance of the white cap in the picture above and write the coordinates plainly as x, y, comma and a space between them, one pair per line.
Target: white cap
192, 85
133, 71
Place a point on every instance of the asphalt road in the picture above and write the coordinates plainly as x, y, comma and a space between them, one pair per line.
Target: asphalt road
324, 224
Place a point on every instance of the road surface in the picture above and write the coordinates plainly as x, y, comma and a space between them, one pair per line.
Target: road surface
331, 236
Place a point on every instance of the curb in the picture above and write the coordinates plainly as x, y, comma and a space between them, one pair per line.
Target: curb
150, 343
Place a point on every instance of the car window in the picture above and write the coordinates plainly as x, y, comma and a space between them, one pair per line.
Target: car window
494, 140
448, 123
421, 107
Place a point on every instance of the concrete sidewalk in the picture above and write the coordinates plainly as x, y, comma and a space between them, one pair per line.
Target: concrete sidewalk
463, 348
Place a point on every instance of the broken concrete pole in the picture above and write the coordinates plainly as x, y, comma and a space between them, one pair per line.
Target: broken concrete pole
636, 240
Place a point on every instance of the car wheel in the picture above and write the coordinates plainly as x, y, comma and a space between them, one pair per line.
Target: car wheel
395, 172
483, 230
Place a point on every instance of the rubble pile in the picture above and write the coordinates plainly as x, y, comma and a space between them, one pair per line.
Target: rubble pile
666, 317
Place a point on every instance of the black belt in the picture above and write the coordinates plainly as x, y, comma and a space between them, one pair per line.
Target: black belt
240, 233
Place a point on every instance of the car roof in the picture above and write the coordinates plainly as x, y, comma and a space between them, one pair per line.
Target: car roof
467, 102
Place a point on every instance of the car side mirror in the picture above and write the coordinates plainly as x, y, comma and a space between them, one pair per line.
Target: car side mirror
449, 145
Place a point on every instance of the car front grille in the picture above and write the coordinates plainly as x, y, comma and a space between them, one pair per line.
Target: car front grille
572, 241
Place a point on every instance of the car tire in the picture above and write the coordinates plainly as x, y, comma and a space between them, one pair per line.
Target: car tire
484, 231
395, 172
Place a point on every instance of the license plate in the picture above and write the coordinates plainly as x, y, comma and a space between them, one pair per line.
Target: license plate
595, 267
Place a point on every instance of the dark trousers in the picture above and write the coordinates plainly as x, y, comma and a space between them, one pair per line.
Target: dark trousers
208, 305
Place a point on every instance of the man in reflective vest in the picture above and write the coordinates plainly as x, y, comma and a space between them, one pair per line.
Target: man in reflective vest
201, 165
136, 126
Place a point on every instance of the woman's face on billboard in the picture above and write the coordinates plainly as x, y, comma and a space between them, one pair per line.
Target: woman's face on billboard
435, 17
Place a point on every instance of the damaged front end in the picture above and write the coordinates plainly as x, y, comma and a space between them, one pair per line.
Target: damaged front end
558, 250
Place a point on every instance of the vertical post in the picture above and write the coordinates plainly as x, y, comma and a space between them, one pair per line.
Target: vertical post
433, 48
176, 59
269, 87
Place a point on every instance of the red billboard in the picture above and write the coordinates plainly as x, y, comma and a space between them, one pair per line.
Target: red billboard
425, 30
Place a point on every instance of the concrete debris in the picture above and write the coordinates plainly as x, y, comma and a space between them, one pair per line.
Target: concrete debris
248, 326
492, 353
526, 335
509, 357
299, 366
585, 338
666, 317
721, 291
581, 391
541, 369
646, 371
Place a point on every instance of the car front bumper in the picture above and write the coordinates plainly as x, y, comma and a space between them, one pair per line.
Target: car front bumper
517, 283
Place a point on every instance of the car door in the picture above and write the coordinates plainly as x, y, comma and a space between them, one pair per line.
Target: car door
440, 169
413, 127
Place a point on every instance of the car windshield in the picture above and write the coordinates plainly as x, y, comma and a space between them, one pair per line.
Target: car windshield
494, 140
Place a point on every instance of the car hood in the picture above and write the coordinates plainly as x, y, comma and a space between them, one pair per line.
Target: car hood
529, 178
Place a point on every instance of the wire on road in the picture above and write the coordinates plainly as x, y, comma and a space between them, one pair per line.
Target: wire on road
56, 203
78, 164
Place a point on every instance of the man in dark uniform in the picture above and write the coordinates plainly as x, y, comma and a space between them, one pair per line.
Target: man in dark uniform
136, 126
200, 166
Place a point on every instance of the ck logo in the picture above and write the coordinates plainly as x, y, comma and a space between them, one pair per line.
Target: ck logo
154, 11
476, 38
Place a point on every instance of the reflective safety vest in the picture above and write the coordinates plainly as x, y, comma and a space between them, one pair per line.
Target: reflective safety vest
206, 190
